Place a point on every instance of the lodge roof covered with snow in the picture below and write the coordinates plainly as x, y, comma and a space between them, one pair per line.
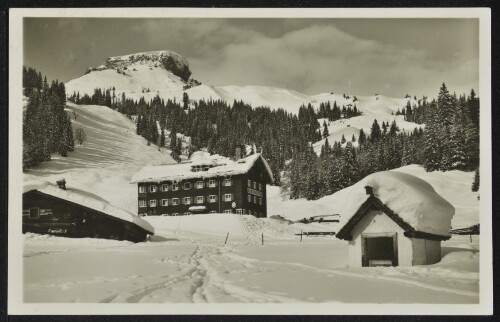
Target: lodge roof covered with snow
86, 199
218, 166
410, 201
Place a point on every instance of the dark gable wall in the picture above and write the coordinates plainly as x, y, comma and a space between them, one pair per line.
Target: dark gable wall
238, 188
256, 174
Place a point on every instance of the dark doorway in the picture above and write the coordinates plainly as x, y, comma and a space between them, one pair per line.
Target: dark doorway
379, 251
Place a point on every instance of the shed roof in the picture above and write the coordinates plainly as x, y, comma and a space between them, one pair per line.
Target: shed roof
86, 199
410, 201
221, 166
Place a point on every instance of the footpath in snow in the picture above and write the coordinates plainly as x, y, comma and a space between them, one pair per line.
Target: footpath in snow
189, 262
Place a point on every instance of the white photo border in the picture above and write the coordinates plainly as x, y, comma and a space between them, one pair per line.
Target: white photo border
15, 242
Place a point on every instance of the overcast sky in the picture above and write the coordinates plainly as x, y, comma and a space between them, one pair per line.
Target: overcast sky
357, 56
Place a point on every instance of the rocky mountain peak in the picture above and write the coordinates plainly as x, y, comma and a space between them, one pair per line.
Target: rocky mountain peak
169, 60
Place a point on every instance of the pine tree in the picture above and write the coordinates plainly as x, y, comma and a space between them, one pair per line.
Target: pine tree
185, 100
375, 133
473, 108
475, 184
311, 187
162, 138
455, 150
362, 137
432, 144
384, 128
325, 130
350, 169
394, 129
408, 153
343, 140
445, 106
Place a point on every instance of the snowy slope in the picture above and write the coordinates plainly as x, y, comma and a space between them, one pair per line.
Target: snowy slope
453, 186
108, 158
379, 107
133, 83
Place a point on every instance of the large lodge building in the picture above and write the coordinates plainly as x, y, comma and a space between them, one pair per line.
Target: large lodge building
205, 184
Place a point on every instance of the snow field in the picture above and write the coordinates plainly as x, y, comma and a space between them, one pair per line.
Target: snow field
187, 270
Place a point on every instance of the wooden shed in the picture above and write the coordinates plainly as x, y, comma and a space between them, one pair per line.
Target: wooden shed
69, 212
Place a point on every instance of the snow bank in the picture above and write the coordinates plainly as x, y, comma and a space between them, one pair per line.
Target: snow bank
31, 239
86, 199
214, 224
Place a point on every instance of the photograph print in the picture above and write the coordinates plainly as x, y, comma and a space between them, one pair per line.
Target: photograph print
211, 159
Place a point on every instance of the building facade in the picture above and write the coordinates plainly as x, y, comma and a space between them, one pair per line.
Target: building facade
205, 186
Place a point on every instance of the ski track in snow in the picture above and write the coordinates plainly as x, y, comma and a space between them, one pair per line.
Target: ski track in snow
201, 283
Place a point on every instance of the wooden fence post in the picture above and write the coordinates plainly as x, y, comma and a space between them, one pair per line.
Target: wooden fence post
262, 238
301, 236
226, 238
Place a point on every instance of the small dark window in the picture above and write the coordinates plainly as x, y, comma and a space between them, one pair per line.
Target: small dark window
34, 213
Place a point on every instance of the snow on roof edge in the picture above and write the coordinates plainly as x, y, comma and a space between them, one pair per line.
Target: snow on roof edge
88, 200
182, 171
413, 199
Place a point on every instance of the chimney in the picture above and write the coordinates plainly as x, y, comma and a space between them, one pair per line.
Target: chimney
369, 190
61, 184
238, 152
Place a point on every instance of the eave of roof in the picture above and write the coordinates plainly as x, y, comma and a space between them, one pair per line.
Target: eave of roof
373, 202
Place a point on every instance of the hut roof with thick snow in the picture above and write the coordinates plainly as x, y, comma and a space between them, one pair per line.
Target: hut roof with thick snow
410, 201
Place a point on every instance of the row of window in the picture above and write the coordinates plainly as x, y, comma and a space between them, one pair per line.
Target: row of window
186, 186
255, 185
256, 200
185, 200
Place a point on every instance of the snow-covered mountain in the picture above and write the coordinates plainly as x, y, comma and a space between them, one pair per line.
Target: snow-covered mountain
153, 71
166, 74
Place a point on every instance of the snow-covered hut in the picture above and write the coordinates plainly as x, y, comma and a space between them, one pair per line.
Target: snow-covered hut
401, 222
69, 212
